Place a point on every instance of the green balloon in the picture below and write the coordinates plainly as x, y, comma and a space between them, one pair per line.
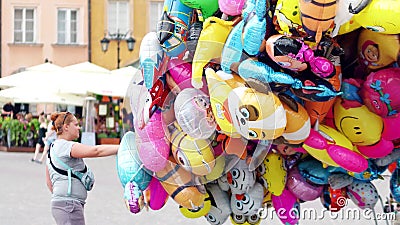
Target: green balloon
207, 7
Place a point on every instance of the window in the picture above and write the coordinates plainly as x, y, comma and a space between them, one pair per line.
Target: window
118, 16
67, 26
156, 9
24, 25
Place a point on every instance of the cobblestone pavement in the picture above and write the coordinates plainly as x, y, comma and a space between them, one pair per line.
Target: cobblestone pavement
25, 199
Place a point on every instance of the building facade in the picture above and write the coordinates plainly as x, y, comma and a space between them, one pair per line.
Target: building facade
38, 31
129, 18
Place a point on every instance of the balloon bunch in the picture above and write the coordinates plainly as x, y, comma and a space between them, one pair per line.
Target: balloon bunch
247, 104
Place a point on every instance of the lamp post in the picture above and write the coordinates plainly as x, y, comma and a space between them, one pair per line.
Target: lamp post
117, 37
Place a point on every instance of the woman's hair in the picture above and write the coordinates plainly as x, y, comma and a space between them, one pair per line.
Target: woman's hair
59, 119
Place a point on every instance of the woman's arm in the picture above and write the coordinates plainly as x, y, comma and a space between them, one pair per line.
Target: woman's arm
48, 181
85, 151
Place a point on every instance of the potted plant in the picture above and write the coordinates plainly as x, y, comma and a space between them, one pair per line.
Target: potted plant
110, 138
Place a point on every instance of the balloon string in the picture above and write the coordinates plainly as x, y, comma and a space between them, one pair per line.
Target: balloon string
383, 207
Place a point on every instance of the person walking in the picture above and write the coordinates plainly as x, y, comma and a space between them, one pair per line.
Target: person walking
63, 167
48, 139
42, 134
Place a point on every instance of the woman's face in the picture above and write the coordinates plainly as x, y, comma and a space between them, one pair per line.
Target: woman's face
74, 128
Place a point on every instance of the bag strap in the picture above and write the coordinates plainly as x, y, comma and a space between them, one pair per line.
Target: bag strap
63, 172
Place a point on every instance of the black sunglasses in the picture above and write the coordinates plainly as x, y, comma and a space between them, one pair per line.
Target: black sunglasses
65, 117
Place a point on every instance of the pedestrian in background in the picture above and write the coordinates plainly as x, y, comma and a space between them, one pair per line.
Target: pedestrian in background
42, 134
69, 192
48, 139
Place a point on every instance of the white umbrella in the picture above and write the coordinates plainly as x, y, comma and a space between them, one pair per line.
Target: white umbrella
32, 76
82, 77
39, 95
114, 84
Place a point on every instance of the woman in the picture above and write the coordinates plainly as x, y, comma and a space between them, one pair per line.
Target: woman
42, 134
69, 195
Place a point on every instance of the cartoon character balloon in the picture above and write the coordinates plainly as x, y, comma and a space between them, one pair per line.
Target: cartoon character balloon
173, 28
193, 113
384, 19
380, 92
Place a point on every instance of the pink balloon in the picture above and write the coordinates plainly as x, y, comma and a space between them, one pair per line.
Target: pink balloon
383, 84
181, 73
302, 189
231, 7
158, 195
153, 146
286, 207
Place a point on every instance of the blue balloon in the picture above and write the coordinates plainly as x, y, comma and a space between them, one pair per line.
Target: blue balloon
129, 166
395, 183
233, 47
255, 29
313, 171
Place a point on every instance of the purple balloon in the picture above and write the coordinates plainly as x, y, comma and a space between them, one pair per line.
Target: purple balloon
303, 190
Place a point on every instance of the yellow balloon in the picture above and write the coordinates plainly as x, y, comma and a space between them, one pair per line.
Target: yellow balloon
348, 27
274, 173
196, 213
380, 16
361, 126
210, 44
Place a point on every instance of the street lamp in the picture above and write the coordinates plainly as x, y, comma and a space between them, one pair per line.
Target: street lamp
118, 37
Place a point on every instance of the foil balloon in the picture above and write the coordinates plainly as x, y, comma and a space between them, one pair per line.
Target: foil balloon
369, 132
384, 19
395, 184
251, 118
232, 50
333, 148
287, 206
312, 170
238, 219
195, 28
363, 194
152, 59
346, 10
193, 113
302, 189
155, 194
240, 179
332, 51
211, 42
294, 54
181, 72
377, 50
250, 68
273, 173
198, 212
231, 8
287, 18
255, 28
219, 88
180, 186
134, 178
220, 208
317, 16
173, 27
298, 122
207, 7
194, 155
380, 93
152, 144
248, 203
